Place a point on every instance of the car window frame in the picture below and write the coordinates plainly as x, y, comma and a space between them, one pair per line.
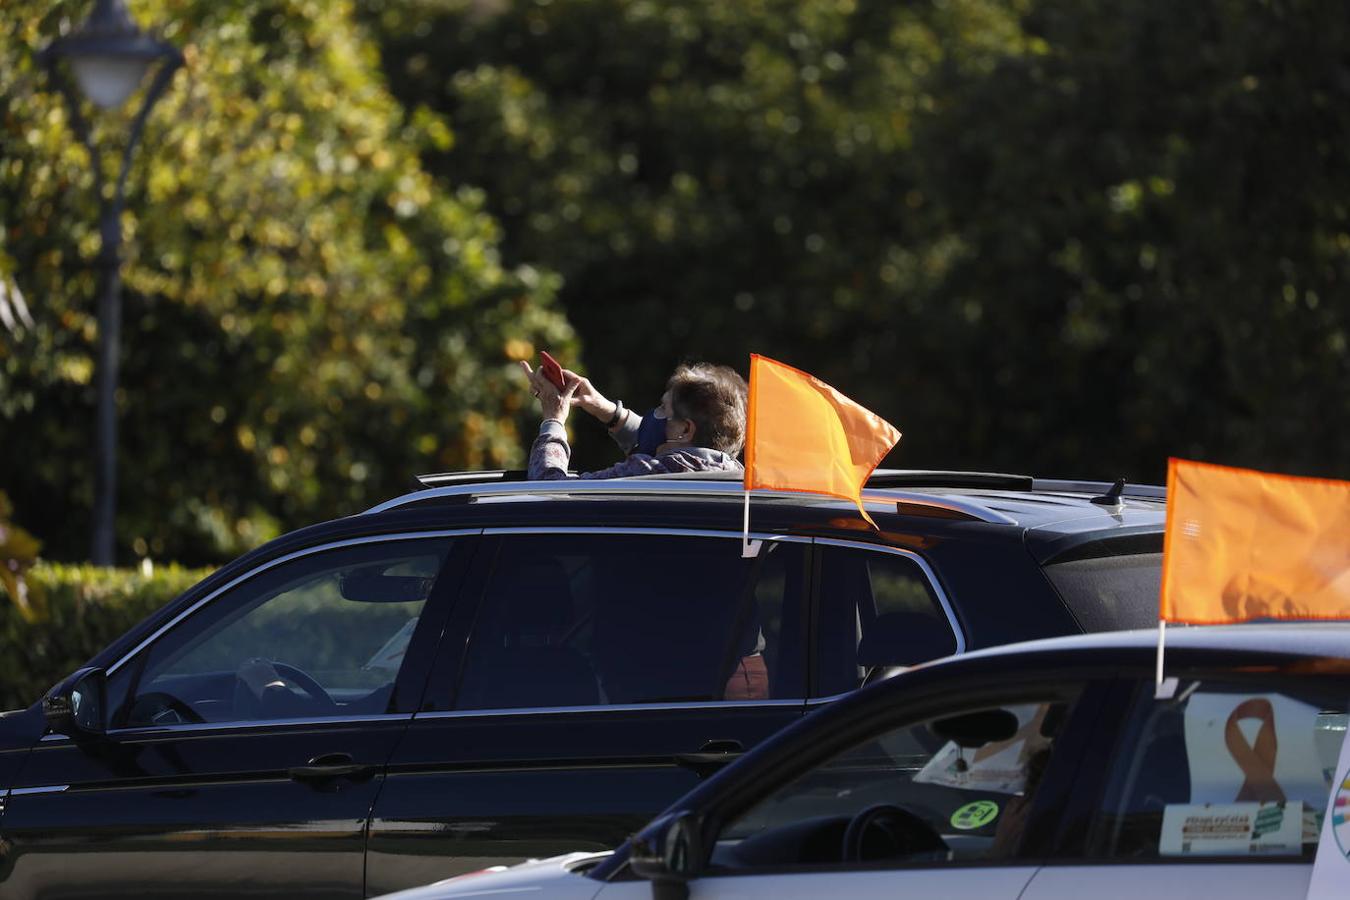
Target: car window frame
431, 620
815, 699
449, 665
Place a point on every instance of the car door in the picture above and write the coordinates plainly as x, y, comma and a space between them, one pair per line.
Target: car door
1216, 791
597, 676
247, 737
949, 802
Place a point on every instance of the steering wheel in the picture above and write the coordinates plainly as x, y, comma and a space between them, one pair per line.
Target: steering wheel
307, 684
162, 708
246, 700
886, 831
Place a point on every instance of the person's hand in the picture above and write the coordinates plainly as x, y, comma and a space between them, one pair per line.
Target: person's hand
554, 404
587, 398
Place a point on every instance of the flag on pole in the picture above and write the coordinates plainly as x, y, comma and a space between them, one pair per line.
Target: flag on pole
803, 435
1242, 545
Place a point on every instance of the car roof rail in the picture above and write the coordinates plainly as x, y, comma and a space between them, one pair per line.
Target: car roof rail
484, 476
485, 486
1096, 488
936, 478
881, 478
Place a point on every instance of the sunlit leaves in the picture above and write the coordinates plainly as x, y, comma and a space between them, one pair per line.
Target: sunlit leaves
1057, 236
293, 281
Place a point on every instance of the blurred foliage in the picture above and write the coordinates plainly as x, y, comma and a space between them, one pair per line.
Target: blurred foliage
310, 319
1067, 237
86, 609
18, 554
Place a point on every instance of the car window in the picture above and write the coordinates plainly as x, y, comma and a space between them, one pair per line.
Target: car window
1107, 593
1222, 770
876, 609
321, 635
946, 790
587, 619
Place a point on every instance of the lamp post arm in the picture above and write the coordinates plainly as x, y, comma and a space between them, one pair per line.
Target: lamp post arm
173, 61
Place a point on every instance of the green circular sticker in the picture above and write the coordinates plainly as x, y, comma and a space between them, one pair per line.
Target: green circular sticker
975, 815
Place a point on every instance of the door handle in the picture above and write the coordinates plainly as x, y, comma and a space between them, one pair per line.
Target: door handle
712, 756
331, 765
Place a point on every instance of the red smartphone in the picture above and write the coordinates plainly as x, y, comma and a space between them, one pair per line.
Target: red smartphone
552, 371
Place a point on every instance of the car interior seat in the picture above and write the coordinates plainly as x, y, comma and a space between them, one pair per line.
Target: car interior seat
664, 640
517, 657
904, 639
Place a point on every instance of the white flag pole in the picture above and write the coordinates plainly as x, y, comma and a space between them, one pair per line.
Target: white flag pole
1163, 688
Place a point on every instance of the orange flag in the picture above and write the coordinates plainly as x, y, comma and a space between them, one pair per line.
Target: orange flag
803, 435
1243, 545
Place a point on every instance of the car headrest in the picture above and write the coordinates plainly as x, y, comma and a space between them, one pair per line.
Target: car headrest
905, 639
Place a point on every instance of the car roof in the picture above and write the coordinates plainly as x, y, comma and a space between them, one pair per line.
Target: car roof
1048, 511
1322, 640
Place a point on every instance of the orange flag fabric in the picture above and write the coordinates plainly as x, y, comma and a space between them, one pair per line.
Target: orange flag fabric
803, 435
1242, 545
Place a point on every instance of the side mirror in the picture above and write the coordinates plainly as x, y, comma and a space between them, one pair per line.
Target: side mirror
668, 853
75, 707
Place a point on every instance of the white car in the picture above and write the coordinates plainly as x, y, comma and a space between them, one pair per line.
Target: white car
1040, 771
557, 877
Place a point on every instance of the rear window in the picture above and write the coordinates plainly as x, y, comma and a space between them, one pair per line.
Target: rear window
1106, 593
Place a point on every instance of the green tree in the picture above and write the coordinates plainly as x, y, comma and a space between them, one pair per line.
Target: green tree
1043, 235
310, 318
711, 178
1152, 199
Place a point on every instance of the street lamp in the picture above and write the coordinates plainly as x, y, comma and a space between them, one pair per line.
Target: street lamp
110, 56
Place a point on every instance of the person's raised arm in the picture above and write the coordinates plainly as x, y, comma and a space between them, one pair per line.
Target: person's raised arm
621, 422
550, 454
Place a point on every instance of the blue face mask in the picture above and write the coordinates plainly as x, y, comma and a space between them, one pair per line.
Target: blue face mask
651, 433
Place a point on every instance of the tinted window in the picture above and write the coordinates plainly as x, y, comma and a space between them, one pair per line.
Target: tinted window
1110, 592
573, 620
1222, 771
876, 609
960, 787
324, 634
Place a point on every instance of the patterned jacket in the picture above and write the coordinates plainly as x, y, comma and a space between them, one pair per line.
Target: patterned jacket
551, 454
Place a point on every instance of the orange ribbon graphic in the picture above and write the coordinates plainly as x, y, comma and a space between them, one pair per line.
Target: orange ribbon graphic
1256, 760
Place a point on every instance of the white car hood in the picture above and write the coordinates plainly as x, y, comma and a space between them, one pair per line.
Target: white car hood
553, 878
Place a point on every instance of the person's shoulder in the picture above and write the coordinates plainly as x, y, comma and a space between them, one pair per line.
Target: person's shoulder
699, 459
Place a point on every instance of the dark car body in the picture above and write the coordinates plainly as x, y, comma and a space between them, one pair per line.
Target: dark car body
511, 669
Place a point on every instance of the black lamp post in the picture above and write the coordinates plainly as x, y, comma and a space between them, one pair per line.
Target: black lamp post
110, 56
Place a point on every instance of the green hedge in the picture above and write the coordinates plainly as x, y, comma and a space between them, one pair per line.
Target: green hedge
83, 609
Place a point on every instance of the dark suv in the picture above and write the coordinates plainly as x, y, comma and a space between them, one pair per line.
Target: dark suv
487, 670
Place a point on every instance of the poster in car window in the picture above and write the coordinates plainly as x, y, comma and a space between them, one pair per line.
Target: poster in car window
1232, 829
1259, 748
